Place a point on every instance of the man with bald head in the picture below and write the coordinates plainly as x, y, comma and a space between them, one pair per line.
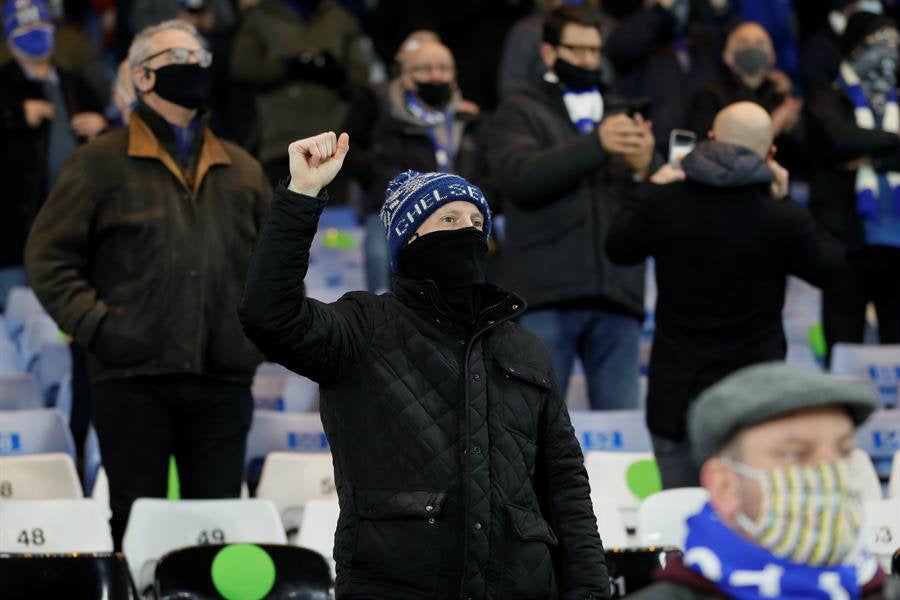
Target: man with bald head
725, 236
749, 75
418, 120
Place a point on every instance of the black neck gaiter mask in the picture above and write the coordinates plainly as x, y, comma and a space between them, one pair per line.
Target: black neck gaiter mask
456, 260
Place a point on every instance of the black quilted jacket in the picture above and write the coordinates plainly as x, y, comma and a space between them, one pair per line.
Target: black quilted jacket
457, 469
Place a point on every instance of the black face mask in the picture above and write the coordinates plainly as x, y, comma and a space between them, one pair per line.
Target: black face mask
455, 260
186, 84
434, 94
574, 77
751, 61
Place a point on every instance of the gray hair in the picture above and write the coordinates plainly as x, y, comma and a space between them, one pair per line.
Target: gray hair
142, 45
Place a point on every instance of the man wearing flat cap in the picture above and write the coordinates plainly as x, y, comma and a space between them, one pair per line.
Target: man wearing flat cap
784, 509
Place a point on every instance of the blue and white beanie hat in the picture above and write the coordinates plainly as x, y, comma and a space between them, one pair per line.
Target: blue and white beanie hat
19, 13
413, 196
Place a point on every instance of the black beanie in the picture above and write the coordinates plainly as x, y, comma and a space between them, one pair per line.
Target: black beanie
859, 26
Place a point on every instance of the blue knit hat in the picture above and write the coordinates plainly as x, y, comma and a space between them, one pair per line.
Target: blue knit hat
413, 196
18, 13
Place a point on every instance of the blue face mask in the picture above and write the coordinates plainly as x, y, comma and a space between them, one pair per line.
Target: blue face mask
36, 43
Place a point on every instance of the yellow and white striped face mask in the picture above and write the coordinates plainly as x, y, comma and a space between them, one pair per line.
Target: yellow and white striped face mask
809, 514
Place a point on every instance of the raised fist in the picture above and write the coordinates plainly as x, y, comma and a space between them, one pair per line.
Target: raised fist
315, 161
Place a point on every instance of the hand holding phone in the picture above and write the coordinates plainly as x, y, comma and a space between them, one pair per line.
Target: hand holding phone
681, 143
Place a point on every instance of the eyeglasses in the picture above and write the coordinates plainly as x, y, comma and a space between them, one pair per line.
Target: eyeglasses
578, 49
181, 56
444, 69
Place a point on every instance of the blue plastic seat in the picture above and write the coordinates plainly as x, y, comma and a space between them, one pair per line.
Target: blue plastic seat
21, 303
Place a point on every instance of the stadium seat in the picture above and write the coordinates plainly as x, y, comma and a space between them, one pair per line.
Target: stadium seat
53, 526
268, 391
320, 519
100, 490
187, 574
611, 430
34, 431
866, 477
92, 458
291, 479
21, 303
10, 360
72, 576
281, 432
157, 526
632, 569
53, 365
881, 529
63, 401
270, 368
19, 391
300, 394
894, 481
49, 476
662, 517
40, 330
627, 477
609, 522
879, 364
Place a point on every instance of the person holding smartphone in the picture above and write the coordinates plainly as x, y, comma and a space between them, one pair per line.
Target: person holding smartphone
724, 236
566, 152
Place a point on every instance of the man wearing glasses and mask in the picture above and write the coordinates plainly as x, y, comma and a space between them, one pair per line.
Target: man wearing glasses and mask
139, 254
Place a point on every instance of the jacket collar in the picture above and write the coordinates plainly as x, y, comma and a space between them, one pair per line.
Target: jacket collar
497, 303
142, 143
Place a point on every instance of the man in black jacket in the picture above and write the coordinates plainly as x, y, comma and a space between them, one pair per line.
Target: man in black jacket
723, 248
45, 113
565, 155
457, 469
854, 191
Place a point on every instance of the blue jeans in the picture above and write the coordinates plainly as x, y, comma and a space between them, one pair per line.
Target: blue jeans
10, 277
377, 262
607, 344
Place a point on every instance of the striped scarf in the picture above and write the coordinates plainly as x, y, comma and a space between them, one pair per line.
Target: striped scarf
867, 191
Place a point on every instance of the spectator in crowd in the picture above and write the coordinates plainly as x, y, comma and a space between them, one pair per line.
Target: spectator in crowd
303, 56
723, 247
749, 75
139, 254
854, 189
822, 51
232, 106
207, 14
665, 50
774, 441
45, 113
565, 159
457, 469
418, 121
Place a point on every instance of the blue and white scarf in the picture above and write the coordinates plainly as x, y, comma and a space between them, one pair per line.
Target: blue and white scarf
867, 191
585, 108
745, 571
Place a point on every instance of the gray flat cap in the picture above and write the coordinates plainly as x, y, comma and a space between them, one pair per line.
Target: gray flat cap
766, 391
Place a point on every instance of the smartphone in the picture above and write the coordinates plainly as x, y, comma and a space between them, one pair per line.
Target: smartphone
639, 106
681, 143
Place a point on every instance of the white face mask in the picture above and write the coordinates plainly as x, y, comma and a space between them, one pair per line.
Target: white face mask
809, 514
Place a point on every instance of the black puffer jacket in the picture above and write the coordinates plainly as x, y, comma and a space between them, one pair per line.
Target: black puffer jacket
457, 469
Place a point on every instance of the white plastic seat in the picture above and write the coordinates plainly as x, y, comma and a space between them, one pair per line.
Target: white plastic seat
53, 526
608, 473
662, 518
20, 391
609, 522
879, 364
157, 526
267, 390
300, 394
53, 365
881, 529
866, 477
20, 304
612, 430
894, 481
40, 331
292, 479
50, 476
34, 432
284, 432
320, 519
10, 360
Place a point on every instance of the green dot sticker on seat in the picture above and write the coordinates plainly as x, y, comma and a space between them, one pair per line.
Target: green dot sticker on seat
243, 572
643, 478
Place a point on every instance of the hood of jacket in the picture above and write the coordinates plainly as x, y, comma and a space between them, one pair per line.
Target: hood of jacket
725, 165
